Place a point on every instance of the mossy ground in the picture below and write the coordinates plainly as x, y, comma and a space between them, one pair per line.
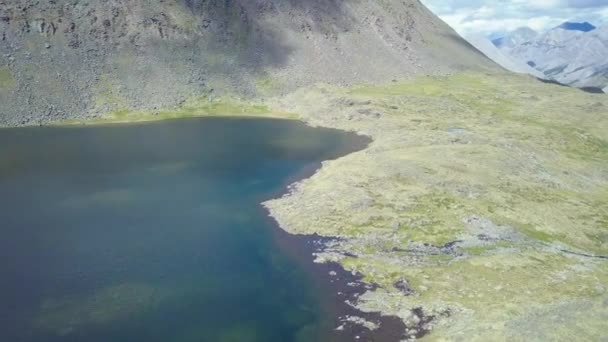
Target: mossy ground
510, 171
6, 79
199, 107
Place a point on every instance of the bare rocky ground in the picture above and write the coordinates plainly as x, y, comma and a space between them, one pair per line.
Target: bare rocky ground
66, 59
480, 209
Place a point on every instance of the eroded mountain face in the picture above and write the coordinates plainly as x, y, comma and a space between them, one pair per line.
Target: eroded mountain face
131, 23
572, 53
76, 59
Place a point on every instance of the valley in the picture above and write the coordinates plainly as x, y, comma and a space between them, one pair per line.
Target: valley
477, 212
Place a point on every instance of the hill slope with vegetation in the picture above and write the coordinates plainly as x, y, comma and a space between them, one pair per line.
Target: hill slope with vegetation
480, 209
83, 59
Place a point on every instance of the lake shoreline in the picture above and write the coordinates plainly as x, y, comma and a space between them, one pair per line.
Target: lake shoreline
340, 291
339, 288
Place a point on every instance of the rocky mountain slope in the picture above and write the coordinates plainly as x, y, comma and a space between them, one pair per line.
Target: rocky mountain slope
65, 59
572, 54
484, 45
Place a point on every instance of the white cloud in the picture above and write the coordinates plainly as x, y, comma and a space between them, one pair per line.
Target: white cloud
499, 16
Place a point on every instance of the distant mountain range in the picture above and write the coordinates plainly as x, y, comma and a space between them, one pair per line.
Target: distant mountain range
574, 54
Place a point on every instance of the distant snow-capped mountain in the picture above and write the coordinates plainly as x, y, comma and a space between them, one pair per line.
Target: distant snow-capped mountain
575, 54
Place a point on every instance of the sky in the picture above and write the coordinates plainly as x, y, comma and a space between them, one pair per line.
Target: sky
495, 17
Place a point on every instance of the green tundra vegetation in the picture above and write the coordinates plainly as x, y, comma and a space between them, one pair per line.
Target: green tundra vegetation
486, 193
6, 79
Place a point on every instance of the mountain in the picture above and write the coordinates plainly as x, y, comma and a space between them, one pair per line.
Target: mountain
484, 45
80, 59
569, 56
519, 36
583, 27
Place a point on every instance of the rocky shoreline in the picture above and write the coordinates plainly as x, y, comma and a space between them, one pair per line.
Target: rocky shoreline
340, 291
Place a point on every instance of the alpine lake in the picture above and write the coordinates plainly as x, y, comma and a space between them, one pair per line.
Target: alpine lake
155, 232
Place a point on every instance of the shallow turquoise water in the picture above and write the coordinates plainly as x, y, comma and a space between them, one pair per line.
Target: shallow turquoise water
154, 232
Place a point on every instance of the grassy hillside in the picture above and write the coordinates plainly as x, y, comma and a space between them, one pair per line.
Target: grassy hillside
480, 208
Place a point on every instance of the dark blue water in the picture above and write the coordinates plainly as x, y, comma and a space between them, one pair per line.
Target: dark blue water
154, 232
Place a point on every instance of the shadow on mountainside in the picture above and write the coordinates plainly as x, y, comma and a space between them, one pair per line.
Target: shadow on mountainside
590, 90
92, 57
233, 27
69, 59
